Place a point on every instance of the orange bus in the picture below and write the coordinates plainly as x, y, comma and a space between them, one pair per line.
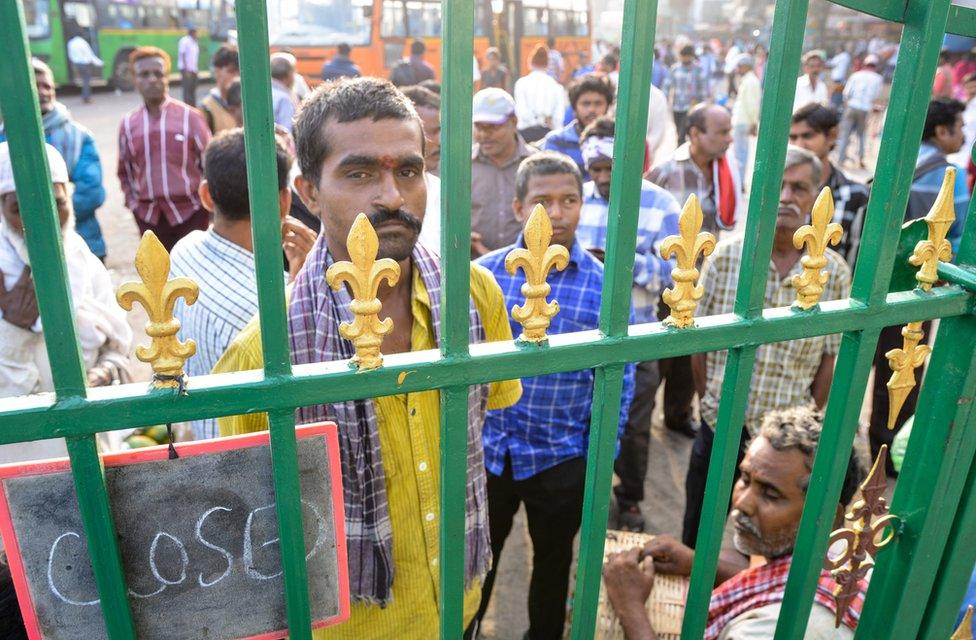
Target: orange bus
380, 31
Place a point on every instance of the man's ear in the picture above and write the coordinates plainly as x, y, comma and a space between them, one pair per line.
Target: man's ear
519, 210
832, 134
284, 202
308, 193
205, 198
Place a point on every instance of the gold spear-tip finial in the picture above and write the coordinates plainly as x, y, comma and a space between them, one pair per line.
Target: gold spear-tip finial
965, 629
537, 258
158, 294
816, 236
936, 248
903, 363
691, 241
364, 275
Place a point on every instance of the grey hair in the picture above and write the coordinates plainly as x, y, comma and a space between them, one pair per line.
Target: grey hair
797, 156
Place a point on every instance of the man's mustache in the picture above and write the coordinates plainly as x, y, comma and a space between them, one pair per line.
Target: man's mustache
745, 522
381, 216
790, 207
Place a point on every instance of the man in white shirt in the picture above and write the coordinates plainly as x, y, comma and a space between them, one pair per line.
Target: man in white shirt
840, 65
188, 55
540, 101
283, 100
862, 89
810, 87
745, 111
84, 60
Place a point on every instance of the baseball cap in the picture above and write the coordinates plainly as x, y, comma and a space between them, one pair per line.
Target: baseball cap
872, 59
492, 106
59, 170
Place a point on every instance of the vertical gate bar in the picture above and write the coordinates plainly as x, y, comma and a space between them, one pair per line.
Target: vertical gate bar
456, 55
789, 23
259, 145
25, 135
921, 40
956, 567
637, 43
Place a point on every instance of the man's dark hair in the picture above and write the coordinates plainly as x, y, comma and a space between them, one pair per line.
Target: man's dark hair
225, 168
431, 85
590, 83
609, 61
818, 117
417, 48
551, 42
545, 163
421, 97
343, 49
687, 50
226, 56
942, 112
344, 100
234, 93
281, 68
602, 127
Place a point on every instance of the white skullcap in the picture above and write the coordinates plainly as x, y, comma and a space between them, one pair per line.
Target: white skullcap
59, 170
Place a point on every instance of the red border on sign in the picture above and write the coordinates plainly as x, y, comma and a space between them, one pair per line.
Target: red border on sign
326, 430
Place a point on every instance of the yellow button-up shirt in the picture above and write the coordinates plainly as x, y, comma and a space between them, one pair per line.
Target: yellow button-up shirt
409, 429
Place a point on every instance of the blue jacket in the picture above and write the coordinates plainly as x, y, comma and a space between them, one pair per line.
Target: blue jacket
340, 67
567, 142
77, 146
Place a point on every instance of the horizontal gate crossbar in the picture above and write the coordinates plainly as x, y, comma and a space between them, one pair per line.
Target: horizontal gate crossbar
108, 408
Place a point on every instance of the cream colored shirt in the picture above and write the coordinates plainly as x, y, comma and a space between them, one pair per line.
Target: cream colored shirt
760, 624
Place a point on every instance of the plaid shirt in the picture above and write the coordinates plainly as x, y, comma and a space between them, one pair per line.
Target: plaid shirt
657, 219
784, 371
551, 423
850, 203
688, 84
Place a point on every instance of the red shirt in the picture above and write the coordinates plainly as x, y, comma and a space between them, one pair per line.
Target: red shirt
161, 161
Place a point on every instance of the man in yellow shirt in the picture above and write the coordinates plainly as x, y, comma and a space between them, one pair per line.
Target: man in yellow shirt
360, 145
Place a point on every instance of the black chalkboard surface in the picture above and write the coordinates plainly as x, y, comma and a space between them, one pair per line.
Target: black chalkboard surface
198, 537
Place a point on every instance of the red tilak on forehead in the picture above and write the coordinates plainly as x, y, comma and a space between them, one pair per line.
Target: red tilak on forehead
388, 162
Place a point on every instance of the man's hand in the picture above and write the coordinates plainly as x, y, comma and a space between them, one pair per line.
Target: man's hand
478, 249
670, 556
628, 584
297, 241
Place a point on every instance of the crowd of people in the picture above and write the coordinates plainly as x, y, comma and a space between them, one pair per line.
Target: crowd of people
361, 144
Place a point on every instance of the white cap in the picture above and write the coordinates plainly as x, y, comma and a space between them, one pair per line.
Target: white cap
59, 170
492, 106
872, 59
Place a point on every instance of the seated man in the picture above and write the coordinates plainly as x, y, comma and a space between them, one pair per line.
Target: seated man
767, 504
361, 149
535, 451
221, 259
103, 332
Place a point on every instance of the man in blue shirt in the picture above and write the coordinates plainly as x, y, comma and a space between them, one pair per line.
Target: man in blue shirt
590, 97
535, 451
657, 219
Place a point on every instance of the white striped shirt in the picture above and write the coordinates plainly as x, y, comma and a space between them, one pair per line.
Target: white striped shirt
228, 300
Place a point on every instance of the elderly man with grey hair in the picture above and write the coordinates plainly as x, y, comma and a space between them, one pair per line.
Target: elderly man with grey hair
786, 374
284, 102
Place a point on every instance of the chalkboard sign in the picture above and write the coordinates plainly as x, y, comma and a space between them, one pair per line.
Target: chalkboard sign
198, 537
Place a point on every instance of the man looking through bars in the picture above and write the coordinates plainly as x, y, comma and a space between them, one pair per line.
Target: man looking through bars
786, 374
590, 98
535, 451
361, 149
767, 505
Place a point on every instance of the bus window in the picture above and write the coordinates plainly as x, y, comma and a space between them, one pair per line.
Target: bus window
536, 21
482, 19
322, 23
38, 21
394, 21
423, 19
223, 20
121, 16
81, 13
560, 23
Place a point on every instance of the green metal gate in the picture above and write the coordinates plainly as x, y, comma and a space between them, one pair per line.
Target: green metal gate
919, 579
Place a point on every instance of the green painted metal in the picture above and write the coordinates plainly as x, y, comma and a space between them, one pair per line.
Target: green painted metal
921, 41
962, 21
890, 10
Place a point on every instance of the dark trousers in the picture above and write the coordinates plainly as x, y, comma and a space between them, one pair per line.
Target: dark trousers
169, 234
681, 124
190, 87
878, 431
554, 505
679, 390
701, 452
85, 74
631, 464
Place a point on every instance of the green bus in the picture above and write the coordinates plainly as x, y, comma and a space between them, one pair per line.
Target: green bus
115, 27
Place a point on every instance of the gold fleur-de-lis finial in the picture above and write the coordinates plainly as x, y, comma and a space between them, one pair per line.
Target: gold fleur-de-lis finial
364, 275
868, 516
809, 285
536, 260
965, 629
691, 241
930, 251
158, 294
903, 363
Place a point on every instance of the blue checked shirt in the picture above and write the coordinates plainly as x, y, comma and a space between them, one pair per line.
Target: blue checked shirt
658, 218
551, 423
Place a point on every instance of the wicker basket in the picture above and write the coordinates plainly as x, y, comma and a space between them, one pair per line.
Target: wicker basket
665, 606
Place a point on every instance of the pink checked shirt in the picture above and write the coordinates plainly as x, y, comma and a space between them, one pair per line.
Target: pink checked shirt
161, 161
